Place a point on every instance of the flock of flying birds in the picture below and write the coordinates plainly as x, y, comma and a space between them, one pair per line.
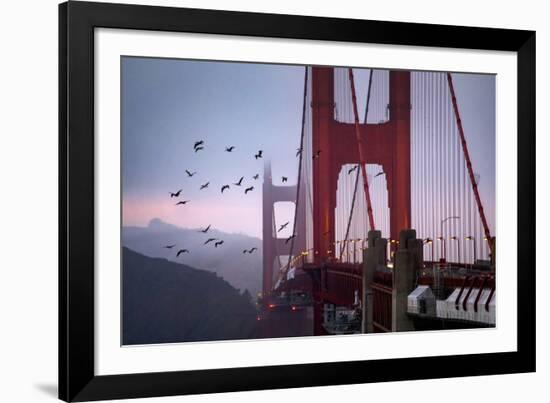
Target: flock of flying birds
199, 146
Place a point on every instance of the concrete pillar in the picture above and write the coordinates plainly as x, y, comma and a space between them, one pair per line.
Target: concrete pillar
408, 259
373, 256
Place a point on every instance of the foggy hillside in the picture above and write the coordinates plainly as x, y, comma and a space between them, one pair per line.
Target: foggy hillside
243, 271
167, 302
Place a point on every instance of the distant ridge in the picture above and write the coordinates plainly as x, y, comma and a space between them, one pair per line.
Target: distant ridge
167, 302
243, 271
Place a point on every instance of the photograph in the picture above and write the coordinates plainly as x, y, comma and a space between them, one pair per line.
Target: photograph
271, 200
275, 201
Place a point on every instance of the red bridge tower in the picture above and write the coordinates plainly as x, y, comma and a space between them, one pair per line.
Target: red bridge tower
272, 245
387, 144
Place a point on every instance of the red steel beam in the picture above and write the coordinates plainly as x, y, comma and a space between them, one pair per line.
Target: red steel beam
465, 300
483, 282
461, 291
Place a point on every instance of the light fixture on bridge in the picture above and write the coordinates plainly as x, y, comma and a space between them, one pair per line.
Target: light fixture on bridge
429, 241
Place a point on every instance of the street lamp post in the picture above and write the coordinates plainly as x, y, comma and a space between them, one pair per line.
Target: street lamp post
429, 241
357, 242
442, 238
454, 238
443, 248
472, 238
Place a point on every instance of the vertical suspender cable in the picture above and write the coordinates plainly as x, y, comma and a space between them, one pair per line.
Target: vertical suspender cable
446, 159
438, 163
424, 159
432, 161
274, 231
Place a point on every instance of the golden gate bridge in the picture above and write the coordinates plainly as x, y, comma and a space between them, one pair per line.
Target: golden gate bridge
388, 223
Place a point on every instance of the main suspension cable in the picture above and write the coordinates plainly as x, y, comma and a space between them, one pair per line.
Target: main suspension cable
357, 168
471, 175
298, 185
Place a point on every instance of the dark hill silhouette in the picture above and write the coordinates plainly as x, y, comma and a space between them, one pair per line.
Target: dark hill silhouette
167, 302
243, 271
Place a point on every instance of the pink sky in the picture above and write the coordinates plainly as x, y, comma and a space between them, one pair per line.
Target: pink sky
231, 218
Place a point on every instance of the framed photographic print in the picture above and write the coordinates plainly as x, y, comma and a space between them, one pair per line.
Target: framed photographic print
259, 201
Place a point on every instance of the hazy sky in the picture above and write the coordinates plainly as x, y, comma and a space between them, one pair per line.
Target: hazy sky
169, 104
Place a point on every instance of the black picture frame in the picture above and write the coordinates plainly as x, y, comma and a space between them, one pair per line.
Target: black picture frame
77, 21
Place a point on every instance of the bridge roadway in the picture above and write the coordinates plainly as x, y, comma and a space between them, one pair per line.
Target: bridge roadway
339, 283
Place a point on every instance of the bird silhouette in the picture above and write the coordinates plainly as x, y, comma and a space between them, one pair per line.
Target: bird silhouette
204, 231
250, 189
210, 240
190, 174
218, 243
181, 251
182, 202
352, 169
256, 176
298, 151
239, 182
175, 194
284, 179
205, 185
245, 251
252, 250
199, 148
259, 155
229, 149
282, 227
379, 173
170, 246
198, 143
225, 187
317, 154
289, 238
